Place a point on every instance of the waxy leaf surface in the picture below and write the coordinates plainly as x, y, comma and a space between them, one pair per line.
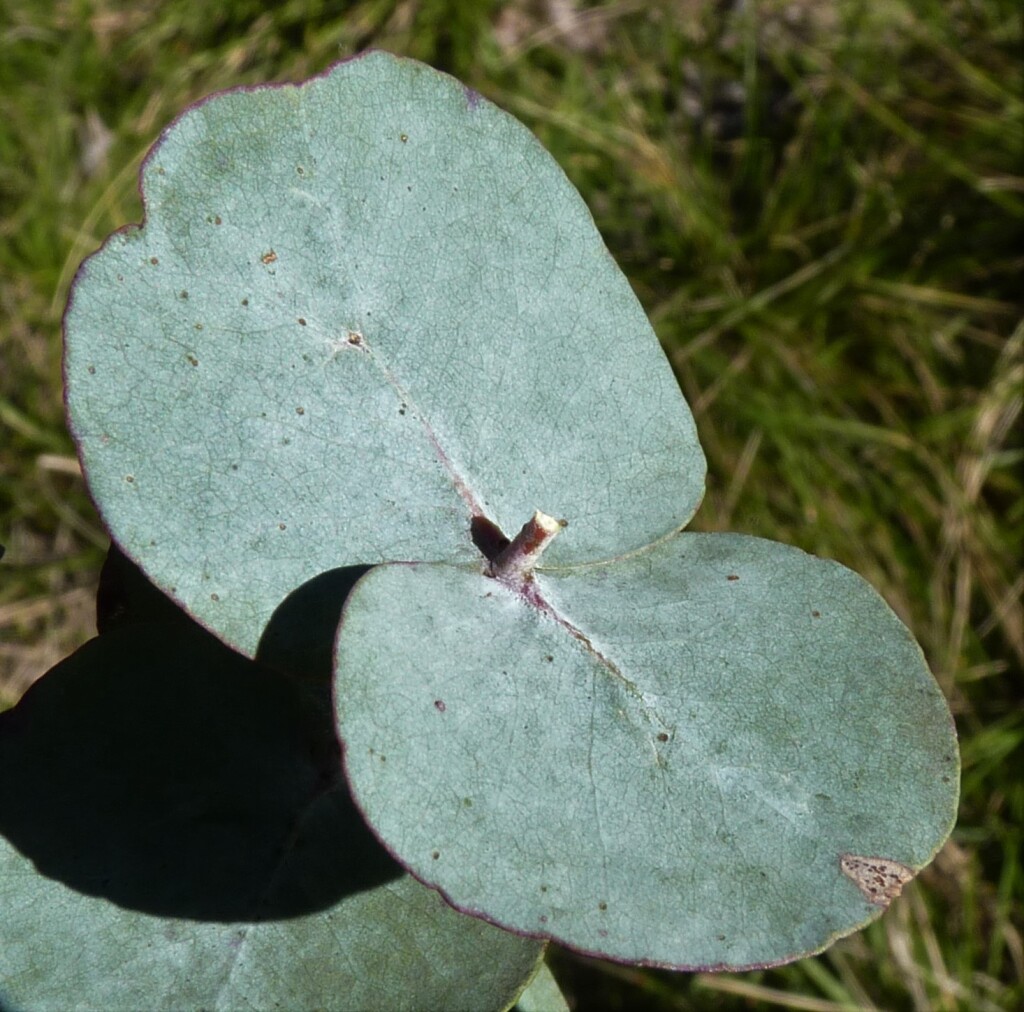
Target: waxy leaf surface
694, 745
174, 834
361, 311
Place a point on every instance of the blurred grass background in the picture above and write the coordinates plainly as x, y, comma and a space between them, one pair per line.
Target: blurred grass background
820, 204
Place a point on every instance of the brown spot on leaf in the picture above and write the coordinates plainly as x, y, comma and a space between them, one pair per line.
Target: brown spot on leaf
815, 614
439, 705
300, 411
662, 736
269, 257
732, 576
403, 137
302, 321
878, 878
154, 260
192, 360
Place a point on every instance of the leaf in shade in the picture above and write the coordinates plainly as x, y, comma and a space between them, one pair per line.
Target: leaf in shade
172, 828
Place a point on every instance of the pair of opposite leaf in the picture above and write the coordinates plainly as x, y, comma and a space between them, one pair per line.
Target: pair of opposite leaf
369, 310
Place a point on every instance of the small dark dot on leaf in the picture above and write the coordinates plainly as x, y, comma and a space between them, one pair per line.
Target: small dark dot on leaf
183, 294
403, 137
543, 918
282, 527
436, 854
218, 220
154, 260
215, 597
199, 326
548, 658
192, 360
602, 905
245, 302
439, 705
92, 370
129, 478
543, 888
732, 576
300, 411
815, 614
662, 736
302, 321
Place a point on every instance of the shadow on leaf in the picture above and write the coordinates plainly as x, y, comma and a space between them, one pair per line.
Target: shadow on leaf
157, 769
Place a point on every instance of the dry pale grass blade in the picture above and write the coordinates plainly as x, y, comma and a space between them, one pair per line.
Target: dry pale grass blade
37, 633
759, 993
968, 552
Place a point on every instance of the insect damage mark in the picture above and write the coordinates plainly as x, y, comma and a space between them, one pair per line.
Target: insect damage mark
878, 878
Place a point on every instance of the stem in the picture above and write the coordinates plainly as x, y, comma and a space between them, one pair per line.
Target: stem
515, 563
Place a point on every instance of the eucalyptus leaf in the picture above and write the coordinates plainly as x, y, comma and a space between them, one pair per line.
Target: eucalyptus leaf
542, 994
710, 750
360, 312
172, 836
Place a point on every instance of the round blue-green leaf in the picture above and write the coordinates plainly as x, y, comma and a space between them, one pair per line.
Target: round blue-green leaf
173, 834
721, 752
359, 312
